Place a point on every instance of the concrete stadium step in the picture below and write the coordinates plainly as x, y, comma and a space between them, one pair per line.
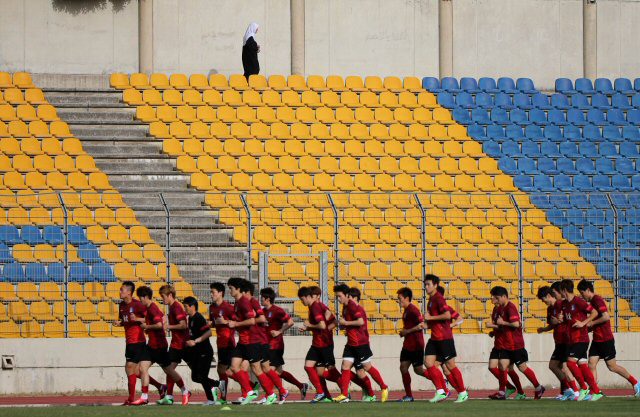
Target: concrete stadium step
106, 115
113, 130
93, 99
134, 149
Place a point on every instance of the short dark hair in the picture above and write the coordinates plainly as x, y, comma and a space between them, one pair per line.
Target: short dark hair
303, 292
248, 287
543, 292
144, 291
130, 285
218, 286
440, 289
499, 291
433, 278
343, 288
355, 293
268, 293
315, 290
405, 292
556, 286
584, 285
566, 285
235, 282
190, 301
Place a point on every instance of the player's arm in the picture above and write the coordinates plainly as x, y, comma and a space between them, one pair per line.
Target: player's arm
514, 321
352, 323
592, 315
546, 328
605, 318
204, 336
261, 319
181, 325
404, 332
244, 323
457, 322
157, 324
444, 316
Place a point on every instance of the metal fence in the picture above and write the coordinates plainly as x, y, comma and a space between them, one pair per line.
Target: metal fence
63, 255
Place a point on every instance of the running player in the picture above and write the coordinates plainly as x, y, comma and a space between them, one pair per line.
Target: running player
176, 322
278, 322
225, 342
577, 314
557, 363
603, 345
440, 347
357, 353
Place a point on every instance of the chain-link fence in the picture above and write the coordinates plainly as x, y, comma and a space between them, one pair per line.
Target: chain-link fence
64, 255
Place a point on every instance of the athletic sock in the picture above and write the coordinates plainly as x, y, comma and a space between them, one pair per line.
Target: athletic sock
426, 375
577, 374
345, 378
290, 379
277, 381
266, 383
457, 377
314, 379
223, 377
589, 379
145, 393
563, 385
406, 381
572, 384
436, 377
325, 388
632, 380
131, 379
504, 375
170, 384
531, 376
332, 374
452, 381
516, 381
244, 381
155, 383
375, 374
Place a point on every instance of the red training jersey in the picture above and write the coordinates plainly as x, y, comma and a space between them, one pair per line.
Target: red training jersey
559, 330
276, 318
244, 311
224, 334
513, 339
157, 338
576, 310
259, 331
498, 334
177, 314
440, 329
412, 317
321, 338
356, 335
601, 332
132, 331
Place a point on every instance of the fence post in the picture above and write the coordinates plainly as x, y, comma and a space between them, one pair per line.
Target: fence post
243, 198
520, 265
616, 261
66, 265
167, 250
263, 269
423, 235
336, 267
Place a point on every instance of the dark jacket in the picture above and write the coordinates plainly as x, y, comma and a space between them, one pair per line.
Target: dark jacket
250, 58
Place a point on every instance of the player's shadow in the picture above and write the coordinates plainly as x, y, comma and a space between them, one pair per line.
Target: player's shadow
76, 7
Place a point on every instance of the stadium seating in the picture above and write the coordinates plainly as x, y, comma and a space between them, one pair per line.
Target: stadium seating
39, 158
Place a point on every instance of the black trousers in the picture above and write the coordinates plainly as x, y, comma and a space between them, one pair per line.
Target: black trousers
200, 364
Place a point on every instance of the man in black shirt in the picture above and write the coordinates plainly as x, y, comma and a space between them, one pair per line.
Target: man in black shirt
199, 352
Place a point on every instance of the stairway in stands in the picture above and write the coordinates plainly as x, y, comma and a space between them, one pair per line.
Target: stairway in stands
203, 248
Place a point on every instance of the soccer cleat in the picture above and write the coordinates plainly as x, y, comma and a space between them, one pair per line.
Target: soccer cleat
222, 387
318, 397
596, 397
587, 397
165, 401
162, 391
271, 399
140, 401
256, 388
405, 399
126, 403
341, 399
462, 397
303, 390
209, 402
582, 395
447, 392
186, 396
539, 392
368, 398
509, 392
251, 395
567, 395
438, 398
215, 393
384, 395
283, 397
522, 396
636, 390
497, 396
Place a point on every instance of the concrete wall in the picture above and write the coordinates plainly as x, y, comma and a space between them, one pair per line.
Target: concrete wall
59, 365
618, 43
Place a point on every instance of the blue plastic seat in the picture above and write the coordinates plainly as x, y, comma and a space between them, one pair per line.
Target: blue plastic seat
541, 201
550, 149
450, 84
558, 200
620, 101
541, 101
623, 85
562, 182
625, 166
564, 86
633, 116
531, 149
79, 272
547, 166
514, 132
431, 84
484, 100
573, 234
600, 101
584, 86
31, 235
573, 133
496, 132
504, 101
499, 115
593, 234
53, 235
556, 217
603, 85
585, 166
592, 133
629, 150
55, 272
537, 116
507, 165
599, 201
635, 100
631, 133
630, 234
477, 132
488, 85
522, 101
619, 199
621, 182
469, 85
575, 216
89, 253
77, 236
588, 149
616, 117
580, 101
533, 132
582, 183
35, 272
9, 235
461, 116
553, 133
13, 272
492, 148
635, 182
527, 166
605, 166
569, 149
519, 117
525, 85
557, 117
5, 254
566, 165
608, 149
602, 182
523, 182
464, 100
101, 272
579, 201
595, 216
480, 116
507, 85
576, 117
560, 101
445, 99
634, 199
511, 148
596, 117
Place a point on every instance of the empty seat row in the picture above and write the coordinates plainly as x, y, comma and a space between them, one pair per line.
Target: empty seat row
485, 84
554, 133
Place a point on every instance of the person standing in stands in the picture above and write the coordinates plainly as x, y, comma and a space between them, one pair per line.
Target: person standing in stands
250, 50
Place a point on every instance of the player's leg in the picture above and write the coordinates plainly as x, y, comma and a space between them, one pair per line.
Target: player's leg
143, 372
345, 378
593, 365
406, 379
503, 367
361, 374
264, 380
131, 369
239, 374
528, 372
435, 375
312, 373
613, 366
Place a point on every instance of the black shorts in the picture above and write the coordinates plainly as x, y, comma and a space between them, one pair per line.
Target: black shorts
416, 357
322, 356
265, 352
176, 355
225, 355
560, 352
276, 357
359, 355
604, 350
516, 357
578, 350
251, 352
495, 353
443, 350
159, 356
137, 352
